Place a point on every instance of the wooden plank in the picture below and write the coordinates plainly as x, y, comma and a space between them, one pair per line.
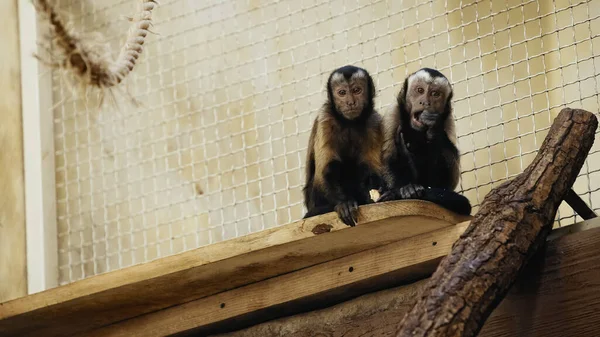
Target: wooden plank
115, 296
373, 314
574, 228
558, 295
13, 268
401, 261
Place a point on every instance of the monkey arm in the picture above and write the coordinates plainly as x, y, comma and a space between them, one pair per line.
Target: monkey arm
396, 169
400, 173
399, 166
310, 168
344, 205
328, 164
332, 183
444, 168
401, 182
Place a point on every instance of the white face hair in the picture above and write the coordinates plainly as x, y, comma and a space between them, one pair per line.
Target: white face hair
425, 93
425, 77
422, 75
338, 78
350, 96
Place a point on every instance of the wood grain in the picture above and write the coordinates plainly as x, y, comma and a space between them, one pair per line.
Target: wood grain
513, 221
557, 295
329, 282
130, 292
13, 268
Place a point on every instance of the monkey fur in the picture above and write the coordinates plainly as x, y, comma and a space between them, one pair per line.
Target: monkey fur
419, 155
344, 150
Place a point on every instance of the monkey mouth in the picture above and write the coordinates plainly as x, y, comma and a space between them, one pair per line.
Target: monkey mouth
352, 113
415, 119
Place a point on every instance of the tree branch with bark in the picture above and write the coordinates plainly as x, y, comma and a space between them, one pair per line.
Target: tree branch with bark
513, 222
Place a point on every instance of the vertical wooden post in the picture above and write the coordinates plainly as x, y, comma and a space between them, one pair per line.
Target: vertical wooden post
38, 149
13, 269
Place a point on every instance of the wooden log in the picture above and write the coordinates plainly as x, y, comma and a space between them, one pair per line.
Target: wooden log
513, 221
558, 295
117, 296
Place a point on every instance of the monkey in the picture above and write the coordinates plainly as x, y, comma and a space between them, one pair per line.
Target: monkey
419, 154
343, 161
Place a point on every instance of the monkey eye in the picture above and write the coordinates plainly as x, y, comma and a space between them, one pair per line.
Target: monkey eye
342, 92
435, 93
356, 90
420, 90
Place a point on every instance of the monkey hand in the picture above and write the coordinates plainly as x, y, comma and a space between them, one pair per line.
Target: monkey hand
429, 118
348, 212
410, 191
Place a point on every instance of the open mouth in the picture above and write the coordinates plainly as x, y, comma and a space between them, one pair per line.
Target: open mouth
415, 118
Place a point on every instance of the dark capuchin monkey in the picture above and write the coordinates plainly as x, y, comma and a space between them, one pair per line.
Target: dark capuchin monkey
420, 157
344, 150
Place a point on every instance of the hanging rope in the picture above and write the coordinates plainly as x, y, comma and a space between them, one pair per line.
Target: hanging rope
90, 60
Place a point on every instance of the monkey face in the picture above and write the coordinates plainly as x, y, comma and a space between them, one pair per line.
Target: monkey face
350, 95
426, 99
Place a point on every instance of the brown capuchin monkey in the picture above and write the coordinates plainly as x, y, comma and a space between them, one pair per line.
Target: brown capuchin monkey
344, 150
420, 157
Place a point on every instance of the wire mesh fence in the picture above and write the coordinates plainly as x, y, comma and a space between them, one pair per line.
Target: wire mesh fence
228, 91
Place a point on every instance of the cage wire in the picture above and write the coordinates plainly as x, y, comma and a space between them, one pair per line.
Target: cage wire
229, 89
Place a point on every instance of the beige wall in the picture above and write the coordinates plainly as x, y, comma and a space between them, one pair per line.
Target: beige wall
228, 91
13, 272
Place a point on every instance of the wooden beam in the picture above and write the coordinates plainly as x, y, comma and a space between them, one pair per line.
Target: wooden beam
13, 268
326, 283
513, 221
213, 269
579, 206
557, 295
574, 228
38, 149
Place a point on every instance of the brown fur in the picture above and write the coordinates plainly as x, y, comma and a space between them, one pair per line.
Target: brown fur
329, 139
406, 115
344, 150
390, 125
419, 152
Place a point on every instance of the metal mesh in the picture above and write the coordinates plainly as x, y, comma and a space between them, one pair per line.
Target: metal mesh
229, 90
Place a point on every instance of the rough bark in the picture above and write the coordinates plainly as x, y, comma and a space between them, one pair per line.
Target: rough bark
513, 221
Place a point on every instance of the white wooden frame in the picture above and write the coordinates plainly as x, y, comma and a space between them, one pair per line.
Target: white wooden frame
38, 154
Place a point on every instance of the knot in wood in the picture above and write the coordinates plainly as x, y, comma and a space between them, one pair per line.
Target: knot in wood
321, 228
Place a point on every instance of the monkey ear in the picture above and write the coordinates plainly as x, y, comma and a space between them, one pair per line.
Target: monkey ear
401, 99
329, 89
448, 107
402, 94
372, 90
